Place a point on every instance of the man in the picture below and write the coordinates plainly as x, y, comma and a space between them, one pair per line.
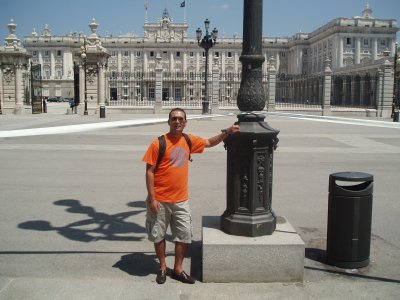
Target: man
167, 188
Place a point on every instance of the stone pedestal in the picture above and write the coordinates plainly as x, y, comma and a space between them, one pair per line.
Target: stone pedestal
271, 258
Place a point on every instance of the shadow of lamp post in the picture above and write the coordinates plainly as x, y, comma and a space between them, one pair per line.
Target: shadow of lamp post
207, 42
250, 152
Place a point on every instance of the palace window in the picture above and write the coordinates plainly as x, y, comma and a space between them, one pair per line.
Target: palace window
229, 54
126, 53
152, 93
58, 53
178, 54
59, 73
348, 41
191, 54
151, 53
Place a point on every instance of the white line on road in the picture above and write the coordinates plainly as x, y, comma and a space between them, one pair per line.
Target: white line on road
90, 127
129, 123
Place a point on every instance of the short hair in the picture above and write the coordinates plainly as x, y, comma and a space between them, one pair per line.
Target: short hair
176, 109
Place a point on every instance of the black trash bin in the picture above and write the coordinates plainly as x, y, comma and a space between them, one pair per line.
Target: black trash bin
349, 219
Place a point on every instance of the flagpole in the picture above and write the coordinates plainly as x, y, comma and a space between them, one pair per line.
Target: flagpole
184, 13
145, 9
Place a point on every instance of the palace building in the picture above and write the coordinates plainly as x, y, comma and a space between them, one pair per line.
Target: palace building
358, 45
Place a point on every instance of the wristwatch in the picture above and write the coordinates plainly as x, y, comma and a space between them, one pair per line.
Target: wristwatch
224, 131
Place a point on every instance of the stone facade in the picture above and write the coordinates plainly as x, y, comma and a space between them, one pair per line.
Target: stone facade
166, 45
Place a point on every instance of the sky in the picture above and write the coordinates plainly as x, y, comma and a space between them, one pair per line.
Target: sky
281, 18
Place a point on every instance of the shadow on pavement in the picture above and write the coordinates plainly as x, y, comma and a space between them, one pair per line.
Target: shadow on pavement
138, 264
97, 225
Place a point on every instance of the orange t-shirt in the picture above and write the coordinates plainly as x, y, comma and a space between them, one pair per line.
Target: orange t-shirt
171, 178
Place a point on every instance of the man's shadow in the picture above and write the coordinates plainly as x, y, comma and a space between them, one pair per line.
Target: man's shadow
96, 226
142, 264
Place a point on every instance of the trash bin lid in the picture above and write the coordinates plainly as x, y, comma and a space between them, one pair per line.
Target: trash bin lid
352, 176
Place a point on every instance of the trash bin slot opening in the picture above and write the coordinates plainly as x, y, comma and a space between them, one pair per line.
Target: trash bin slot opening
353, 185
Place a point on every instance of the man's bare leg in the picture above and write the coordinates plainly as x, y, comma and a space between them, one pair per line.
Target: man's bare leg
160, 252
180, 252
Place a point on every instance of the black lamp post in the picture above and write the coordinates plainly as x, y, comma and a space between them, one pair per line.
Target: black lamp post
206, 43
250, 151
84, 58
396, 86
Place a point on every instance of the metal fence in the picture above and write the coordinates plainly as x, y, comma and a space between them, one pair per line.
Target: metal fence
229, 85
298, 91
354, 91
291, 91
130, 89
184, 89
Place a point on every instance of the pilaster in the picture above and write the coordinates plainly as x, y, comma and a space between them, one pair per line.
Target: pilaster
158, 86
326, 94
215, 88
13, 64
385, 109
271, 86
357, 51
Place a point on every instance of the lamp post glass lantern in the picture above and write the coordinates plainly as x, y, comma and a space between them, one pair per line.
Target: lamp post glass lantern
207, 42
84, 58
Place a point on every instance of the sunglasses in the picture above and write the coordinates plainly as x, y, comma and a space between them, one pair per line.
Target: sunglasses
180, 119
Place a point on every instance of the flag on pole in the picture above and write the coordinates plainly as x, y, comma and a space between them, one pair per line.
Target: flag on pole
183, 4
146, 5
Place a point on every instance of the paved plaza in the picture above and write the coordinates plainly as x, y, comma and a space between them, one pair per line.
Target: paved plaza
72, 206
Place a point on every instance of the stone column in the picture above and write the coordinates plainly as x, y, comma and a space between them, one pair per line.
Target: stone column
340, 52
184, 62
198, 55
1, 91
171, 62
145, 61
119, 61
235, 62
13, 61
385, 108
223, 58
326, 94
101, 86
19, 104
379, 93
158, 87
52, 65
357, 51
215, 88
277, 61
374, 48
81, 89
271, 87
132, 59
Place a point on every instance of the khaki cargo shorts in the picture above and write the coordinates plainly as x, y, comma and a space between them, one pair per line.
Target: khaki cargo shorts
175, 215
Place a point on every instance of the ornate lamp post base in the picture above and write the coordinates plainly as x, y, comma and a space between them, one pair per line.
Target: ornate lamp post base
248, 225
249, 178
